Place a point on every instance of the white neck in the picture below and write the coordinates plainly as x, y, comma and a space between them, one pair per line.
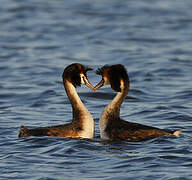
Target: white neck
80, 112
112, 111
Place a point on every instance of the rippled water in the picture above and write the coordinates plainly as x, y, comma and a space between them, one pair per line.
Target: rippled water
38, 39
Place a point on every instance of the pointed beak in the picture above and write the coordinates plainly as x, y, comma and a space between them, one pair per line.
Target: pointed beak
88, 84
99, 85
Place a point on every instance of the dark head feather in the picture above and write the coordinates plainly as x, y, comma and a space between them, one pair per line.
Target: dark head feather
73, 71
114, 74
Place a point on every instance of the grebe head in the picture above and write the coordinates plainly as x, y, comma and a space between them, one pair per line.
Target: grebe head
77, 74
115, 75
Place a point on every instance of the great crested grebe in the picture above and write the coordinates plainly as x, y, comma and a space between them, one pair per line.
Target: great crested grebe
82, 125
112, 127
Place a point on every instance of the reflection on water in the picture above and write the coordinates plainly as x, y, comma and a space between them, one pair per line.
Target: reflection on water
38, 39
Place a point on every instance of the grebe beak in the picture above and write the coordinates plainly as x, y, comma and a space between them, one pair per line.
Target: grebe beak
99, 85
88, 84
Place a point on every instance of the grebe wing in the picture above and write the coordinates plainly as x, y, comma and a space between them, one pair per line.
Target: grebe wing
66, 130
124, 130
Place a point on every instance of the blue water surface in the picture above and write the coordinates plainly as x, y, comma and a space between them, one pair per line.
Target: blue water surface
152, 39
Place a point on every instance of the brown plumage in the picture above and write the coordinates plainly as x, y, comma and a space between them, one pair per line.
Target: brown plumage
67, 130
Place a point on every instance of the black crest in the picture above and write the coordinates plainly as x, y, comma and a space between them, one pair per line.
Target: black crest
73, 71
101, 71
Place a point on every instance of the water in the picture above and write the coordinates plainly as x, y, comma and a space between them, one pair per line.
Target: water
38, 39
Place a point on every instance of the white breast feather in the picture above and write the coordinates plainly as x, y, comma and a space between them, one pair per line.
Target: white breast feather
88, 127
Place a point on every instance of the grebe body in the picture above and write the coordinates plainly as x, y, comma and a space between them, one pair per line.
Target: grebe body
111, 126
82, 125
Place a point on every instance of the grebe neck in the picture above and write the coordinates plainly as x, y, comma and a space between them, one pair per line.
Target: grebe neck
80, 113
112, 110
78, 107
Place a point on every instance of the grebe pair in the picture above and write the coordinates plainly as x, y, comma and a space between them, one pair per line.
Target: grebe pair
111, 126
